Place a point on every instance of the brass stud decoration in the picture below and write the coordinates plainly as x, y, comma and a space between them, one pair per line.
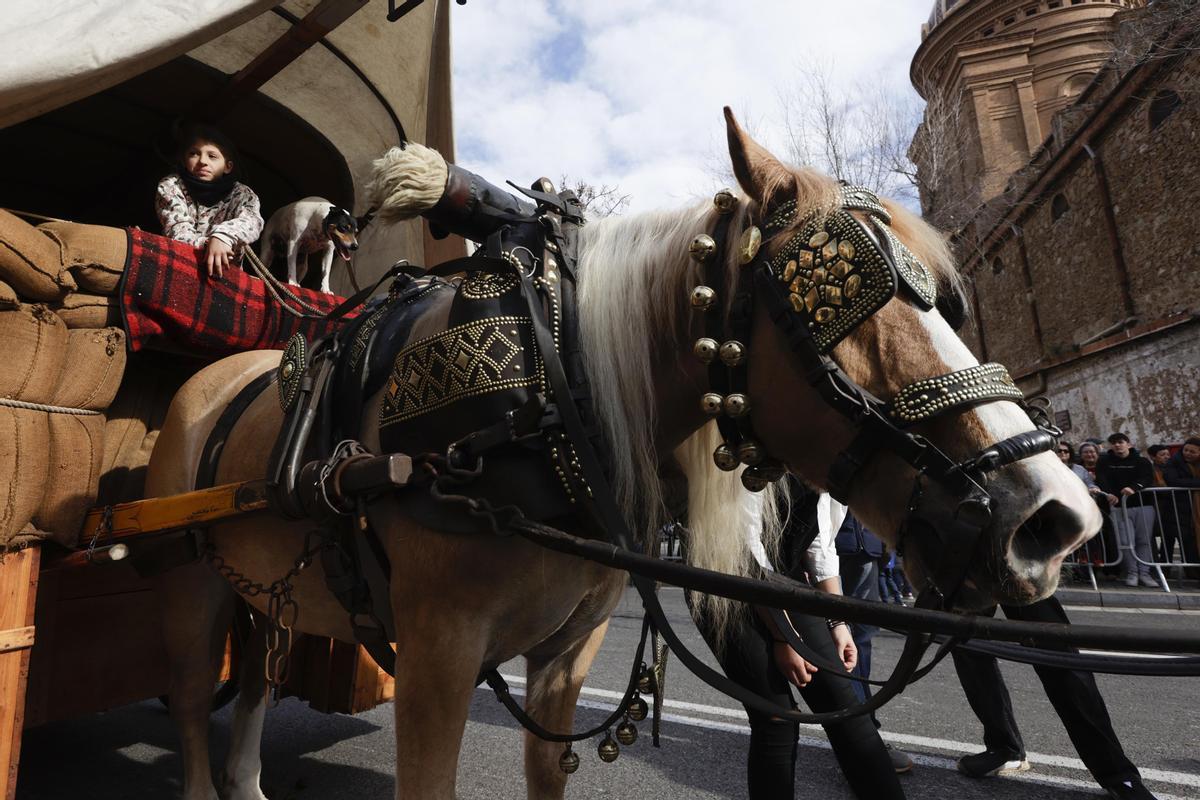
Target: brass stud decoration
732, 353
750, 242
703, 297
705, 349
702, 247
725, 459
724, 201
933, 397
291, 370
711, 403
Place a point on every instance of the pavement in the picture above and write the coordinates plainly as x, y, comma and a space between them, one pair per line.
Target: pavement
1111, 593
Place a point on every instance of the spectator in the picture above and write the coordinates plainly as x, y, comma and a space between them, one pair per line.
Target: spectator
1066, 454
1182, 471
1165, 509
1122, 471
889, 587
1089, 457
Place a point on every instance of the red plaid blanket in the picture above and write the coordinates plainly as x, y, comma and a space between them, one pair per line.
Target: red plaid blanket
167, 297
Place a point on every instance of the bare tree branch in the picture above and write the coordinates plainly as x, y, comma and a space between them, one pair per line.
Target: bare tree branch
598, 200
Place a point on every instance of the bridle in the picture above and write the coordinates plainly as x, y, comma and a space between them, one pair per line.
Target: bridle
832, 274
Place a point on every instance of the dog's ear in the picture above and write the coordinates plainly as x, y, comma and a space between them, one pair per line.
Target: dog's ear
365, 220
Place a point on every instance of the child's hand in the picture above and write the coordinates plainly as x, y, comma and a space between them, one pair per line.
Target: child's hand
219, 257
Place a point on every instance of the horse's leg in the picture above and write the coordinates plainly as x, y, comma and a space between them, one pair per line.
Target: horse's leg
243, 768
552, 689
196, 605
437, 662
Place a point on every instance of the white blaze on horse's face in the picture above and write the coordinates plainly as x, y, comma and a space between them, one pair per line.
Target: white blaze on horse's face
1041, 510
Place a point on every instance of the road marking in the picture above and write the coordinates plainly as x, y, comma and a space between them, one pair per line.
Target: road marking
1062, 762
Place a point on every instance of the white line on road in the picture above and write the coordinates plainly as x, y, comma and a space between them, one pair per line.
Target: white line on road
1062, 762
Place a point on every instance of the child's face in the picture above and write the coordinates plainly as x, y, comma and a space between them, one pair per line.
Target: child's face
205, 161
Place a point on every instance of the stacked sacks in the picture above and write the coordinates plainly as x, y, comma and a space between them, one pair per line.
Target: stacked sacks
63, 364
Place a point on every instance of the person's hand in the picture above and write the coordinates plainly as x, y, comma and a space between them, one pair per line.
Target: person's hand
1112, 500
798, 671
218, 257
1127, 491
846, 649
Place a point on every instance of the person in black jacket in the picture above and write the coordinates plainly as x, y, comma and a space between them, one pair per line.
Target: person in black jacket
1123, 472
1182, 471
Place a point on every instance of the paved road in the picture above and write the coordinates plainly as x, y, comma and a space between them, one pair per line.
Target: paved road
130, 752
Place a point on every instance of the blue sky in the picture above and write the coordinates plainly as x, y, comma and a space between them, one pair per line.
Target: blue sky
630, 93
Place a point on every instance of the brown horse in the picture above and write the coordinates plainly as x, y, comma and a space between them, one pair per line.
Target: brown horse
464, 601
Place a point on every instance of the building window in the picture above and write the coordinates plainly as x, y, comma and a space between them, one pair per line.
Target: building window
989, 31
1029, 12
1165, 103
1009, 20
1058, 207
1054, 4
997, 266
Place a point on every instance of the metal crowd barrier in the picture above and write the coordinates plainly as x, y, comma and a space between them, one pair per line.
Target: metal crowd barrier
1172, 535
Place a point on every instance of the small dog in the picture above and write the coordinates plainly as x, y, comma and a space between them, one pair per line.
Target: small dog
308, 226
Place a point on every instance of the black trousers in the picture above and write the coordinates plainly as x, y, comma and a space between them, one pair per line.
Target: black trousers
1074, 695
747, 658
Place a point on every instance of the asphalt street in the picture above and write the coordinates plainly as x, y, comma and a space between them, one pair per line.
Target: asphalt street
131, 752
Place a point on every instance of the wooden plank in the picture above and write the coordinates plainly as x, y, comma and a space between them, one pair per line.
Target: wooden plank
187, 510
18, 595
16, 639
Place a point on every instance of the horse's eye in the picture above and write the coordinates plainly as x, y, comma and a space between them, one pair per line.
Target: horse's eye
953, 307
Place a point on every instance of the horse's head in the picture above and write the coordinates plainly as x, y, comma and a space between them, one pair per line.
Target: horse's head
855, 380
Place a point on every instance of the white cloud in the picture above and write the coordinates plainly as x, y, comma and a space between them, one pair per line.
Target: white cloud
629, 92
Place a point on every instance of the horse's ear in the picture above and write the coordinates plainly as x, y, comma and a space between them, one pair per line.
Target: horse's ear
759, 173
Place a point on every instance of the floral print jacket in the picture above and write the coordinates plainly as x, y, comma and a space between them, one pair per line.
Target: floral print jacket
236, 220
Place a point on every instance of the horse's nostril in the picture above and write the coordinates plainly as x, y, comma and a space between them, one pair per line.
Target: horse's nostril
1048, 534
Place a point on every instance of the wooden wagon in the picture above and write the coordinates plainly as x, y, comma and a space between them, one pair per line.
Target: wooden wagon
312, 91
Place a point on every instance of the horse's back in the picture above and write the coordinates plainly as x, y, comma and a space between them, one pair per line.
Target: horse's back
193, 413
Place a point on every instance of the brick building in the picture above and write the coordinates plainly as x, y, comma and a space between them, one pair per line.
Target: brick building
1082, 245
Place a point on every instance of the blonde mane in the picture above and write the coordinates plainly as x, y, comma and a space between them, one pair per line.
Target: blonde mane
635, 277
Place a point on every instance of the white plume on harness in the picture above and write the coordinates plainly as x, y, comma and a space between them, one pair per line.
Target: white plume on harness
406, 182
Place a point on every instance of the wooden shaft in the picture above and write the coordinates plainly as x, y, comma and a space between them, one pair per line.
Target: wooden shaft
177, 512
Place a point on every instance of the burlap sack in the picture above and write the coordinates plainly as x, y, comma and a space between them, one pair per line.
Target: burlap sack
88, 311
93, 369
34, 343
95, 254
8, 296
23, 460
76, 449
31, 262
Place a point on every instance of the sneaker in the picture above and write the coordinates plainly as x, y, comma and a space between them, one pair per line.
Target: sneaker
1129, 790
1148, 581
991, 762
1131, 580
901, 761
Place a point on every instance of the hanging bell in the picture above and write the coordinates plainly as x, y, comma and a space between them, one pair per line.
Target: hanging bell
724, 201
705, 349
703, 297
638, 709
645, 681
771, 469
545, 185
736, 405
753, 480
750, 453
711, 403
702, 247
724, 457
568, 762
627, 733
608, 749
732, 353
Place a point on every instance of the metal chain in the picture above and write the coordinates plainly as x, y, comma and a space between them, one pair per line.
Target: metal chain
283, 611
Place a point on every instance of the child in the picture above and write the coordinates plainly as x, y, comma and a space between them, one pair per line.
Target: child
202, 205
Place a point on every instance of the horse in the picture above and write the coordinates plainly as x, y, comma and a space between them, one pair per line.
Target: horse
462, 602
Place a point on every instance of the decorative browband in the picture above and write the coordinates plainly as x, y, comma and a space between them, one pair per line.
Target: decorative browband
933, 397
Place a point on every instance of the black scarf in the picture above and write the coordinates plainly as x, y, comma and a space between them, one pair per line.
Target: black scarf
207, 193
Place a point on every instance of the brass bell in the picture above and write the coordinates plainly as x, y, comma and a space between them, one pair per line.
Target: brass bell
608, 749
771, 469
749, 244
645, 682
568, 762
724, 200
703, 297
546, 186
732, 353
725, 459
710, 403
753, 480
627, 733
750, 453
736, 405
705, 349
702, 247
638, 709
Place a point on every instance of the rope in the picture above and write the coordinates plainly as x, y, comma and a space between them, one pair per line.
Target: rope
275, 287
79, 412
